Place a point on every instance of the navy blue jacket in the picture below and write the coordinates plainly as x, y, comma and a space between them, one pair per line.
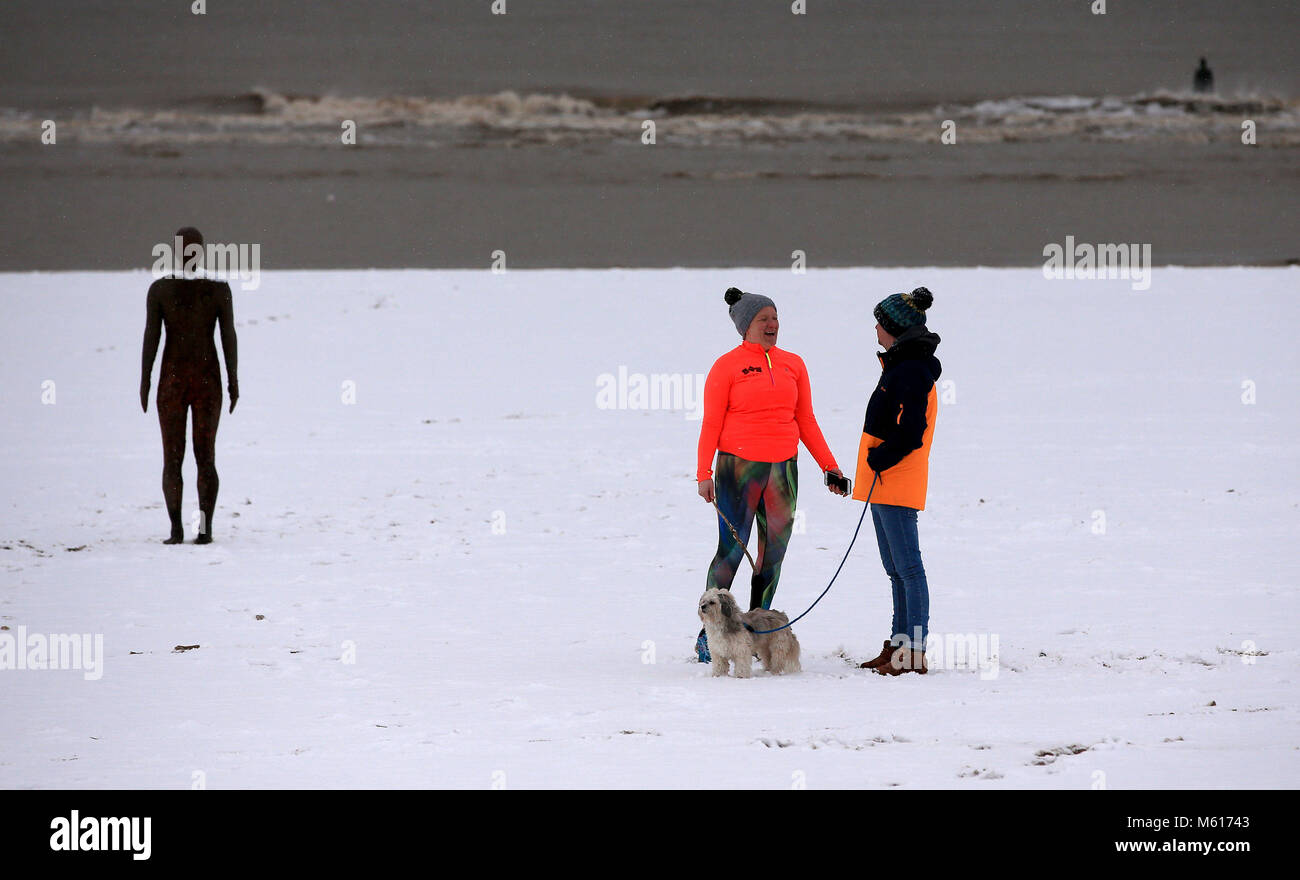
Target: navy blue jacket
910, 370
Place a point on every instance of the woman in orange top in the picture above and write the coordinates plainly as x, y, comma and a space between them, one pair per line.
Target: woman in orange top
757, 407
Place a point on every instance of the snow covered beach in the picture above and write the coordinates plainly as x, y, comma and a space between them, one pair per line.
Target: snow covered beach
475, 574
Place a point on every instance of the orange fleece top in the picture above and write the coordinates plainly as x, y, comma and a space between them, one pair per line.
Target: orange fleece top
758, 406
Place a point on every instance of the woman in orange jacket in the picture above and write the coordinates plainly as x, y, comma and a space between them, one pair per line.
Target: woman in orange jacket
757, 407
894, 455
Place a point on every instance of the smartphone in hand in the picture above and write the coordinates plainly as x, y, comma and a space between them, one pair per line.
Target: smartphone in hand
844, 484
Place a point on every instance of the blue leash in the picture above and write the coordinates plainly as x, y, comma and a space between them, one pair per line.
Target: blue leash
865, 506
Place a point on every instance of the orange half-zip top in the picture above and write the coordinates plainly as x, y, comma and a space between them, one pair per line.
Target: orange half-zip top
757, 419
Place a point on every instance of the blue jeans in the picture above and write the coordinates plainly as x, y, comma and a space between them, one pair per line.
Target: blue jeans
900, 551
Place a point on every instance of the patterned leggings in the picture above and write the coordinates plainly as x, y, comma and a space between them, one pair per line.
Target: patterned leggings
747, 490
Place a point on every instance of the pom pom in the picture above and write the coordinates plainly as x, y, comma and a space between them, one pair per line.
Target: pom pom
922, 298
733, 295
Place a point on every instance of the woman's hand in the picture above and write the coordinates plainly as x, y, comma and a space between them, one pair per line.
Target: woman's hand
836, 490
706, 491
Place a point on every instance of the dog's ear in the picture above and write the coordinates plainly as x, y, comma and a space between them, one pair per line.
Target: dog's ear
727, 602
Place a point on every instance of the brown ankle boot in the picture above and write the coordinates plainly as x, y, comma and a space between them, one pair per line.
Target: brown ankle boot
904, 659
881, 658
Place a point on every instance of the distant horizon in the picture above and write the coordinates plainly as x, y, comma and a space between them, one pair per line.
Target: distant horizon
840, 52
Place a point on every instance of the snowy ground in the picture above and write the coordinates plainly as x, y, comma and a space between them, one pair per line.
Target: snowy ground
514, 569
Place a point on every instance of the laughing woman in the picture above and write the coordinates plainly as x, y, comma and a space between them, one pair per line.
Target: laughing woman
757, 407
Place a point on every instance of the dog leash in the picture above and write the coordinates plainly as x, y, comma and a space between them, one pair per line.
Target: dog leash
753, 565
763, 632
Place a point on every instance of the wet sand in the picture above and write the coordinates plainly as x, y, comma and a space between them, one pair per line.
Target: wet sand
995, 205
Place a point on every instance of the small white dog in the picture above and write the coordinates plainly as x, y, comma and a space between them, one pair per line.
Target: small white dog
732, 641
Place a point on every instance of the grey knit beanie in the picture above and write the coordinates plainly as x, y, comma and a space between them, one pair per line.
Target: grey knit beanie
744, 306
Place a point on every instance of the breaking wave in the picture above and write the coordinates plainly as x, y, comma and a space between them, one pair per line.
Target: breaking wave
265, 116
